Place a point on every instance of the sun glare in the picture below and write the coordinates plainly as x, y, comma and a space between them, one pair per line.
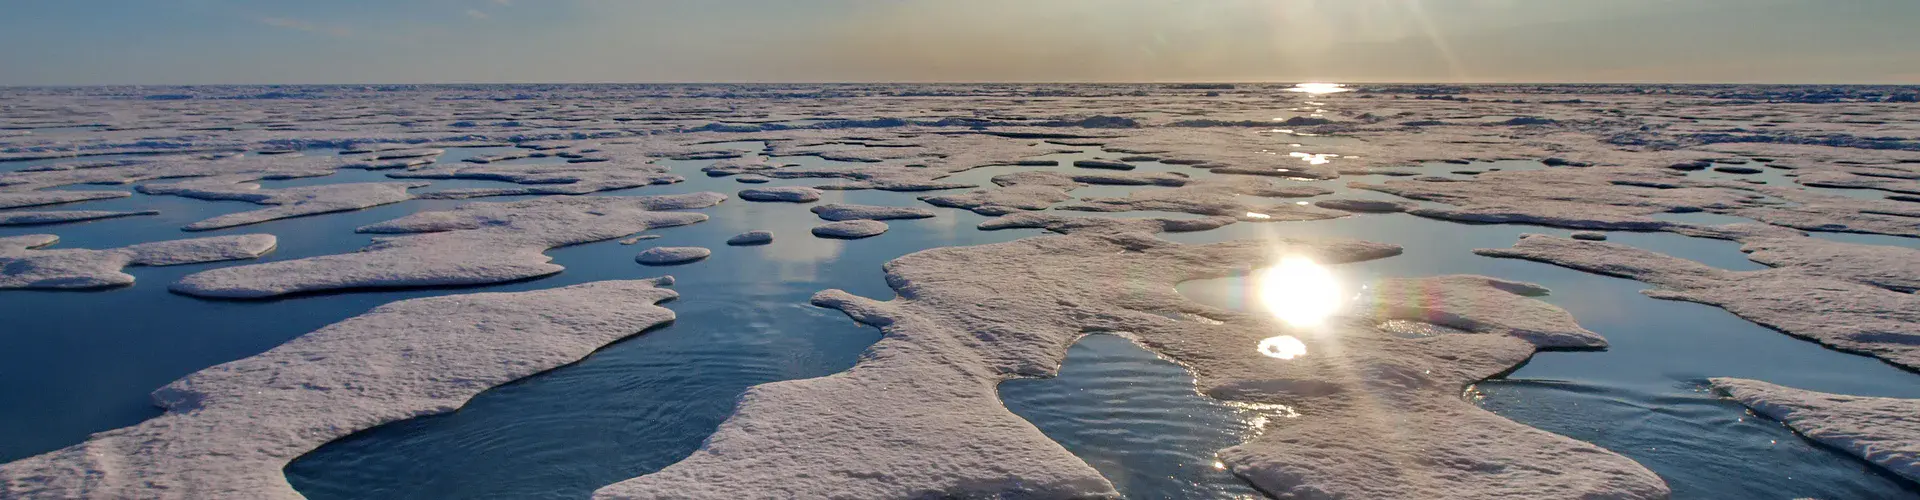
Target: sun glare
1319, 88
1299, 291
1283, 347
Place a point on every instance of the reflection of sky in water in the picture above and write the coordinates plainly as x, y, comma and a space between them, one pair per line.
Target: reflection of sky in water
743, 320
1141, 399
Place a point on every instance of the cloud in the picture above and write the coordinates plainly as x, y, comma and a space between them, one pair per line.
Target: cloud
310, 27
476, 14
503, 3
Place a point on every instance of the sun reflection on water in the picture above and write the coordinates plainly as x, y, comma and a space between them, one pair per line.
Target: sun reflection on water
1319, 88
1299, 291
1283, 347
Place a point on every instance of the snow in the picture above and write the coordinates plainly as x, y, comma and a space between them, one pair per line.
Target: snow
791, 194
475, 244
1217, 197
920, 408
25, 263
229, 430
1810, 302
1890, 267
398, 154
1883, 431
1791, 158
569, 178
40, 198
1075, 180
1001, 201
843, 212
1364, 206
1103, 164
850, 230
667, 256
751, 238
1068, 224
60, 216
283, 203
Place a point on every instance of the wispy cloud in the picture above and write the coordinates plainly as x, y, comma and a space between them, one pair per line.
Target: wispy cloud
308, 26
476, 14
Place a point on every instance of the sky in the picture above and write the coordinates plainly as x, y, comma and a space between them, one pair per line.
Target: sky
159, 42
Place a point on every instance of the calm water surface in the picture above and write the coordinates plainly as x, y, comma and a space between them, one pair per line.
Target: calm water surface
73, 363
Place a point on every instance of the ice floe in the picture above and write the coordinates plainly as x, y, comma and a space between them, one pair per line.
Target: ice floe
1817, 303
850, 229
843, 212
1883, 431
751, 238
791, 194
60, 216
475, 244
229, 430
1364, 411
667, 256
24, 263
283, 203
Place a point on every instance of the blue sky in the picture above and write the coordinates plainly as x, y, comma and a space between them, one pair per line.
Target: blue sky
53, 42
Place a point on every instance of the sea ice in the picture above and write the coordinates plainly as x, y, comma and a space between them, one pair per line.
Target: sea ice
843, 212
1365, 411
851, 229
1811, 303
60, 216
40, 198
1883, 431
570, 178
25, 264
230, 430
475, 244
667, 256
284, 203
751, 238
792, 194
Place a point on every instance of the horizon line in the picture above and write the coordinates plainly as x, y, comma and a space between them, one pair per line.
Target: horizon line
983, 82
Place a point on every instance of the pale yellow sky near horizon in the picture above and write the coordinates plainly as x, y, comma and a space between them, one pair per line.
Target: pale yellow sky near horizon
375, 41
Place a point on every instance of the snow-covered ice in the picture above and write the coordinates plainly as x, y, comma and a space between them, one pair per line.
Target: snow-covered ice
1835, 304
284, 203
25, 263
791, 194
1884, 431
1374, 415
477, 243
59, 216
229, 430
843, 212
850, 229
667, 256
921, 410
751, 238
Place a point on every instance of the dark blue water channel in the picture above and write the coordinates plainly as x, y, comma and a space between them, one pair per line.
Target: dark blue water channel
72, 363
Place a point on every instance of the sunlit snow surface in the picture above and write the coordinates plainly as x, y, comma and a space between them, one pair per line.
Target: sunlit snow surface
1467, 164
